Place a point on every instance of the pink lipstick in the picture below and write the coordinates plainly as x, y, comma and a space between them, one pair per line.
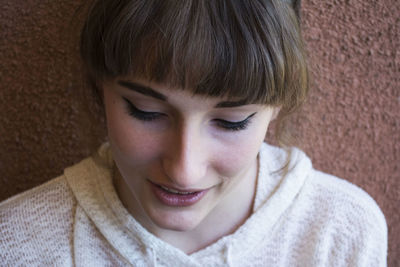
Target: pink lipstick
177, 198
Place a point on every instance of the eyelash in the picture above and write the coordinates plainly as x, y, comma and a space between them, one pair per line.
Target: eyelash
151, 116
140, 114
235, 126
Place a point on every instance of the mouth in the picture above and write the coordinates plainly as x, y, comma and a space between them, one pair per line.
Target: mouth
177, 198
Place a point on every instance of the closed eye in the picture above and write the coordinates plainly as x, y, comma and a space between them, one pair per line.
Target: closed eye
234, 126
140, 114
148, 116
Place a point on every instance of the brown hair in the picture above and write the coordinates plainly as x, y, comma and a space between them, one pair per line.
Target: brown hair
249, 49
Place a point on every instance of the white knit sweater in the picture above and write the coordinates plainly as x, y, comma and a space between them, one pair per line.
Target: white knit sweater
306, 218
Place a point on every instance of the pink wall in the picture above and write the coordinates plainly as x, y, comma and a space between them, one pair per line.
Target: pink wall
350, 125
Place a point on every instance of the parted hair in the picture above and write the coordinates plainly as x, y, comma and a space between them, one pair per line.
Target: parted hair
243, 49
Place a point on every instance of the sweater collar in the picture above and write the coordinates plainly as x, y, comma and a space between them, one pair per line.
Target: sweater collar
91, 182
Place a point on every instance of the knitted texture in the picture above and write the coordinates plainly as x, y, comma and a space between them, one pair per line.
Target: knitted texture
36, 227
306, 218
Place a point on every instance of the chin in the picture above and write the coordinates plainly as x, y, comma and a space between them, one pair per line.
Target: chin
179, 221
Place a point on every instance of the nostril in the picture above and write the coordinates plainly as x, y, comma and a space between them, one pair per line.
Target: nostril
184, 162
183, 174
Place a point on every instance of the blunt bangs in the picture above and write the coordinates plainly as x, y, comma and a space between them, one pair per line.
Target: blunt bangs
250, 50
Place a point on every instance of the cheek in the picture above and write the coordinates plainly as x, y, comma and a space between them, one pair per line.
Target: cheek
239, 153
236, 157
131, 145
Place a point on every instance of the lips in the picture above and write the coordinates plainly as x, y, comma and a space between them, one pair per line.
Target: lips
177, 198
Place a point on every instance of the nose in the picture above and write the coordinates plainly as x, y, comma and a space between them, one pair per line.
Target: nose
185, 161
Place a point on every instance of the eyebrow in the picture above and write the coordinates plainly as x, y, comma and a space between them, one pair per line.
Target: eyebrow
145, 90
231, 104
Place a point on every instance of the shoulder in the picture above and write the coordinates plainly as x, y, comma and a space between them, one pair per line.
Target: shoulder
334, 221
323, 190
350, 223
53, 196
36, 223
318, 188
343, 196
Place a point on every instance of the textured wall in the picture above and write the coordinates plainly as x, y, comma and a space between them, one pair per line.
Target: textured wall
350, 125
43, 126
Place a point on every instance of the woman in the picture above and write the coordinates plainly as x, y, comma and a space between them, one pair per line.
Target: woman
189, 89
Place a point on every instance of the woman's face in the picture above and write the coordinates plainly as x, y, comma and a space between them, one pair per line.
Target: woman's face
183, 158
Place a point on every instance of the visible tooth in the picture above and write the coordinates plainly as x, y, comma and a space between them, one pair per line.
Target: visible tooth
174, 191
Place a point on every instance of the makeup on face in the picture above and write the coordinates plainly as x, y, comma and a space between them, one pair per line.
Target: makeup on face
149, 116
183, 157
